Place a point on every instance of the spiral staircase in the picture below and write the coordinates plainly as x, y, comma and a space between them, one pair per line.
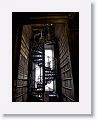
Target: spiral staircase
50, 74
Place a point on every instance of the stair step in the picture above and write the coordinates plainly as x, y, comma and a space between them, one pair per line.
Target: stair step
48, 68
49, 79
49, 76
37, 62
36, 58
48, 72
37, 53
39, 85
40, 64
37, 91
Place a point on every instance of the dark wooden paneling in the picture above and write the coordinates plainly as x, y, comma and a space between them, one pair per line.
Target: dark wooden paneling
65, 62
73, 35
22, 79
16, 43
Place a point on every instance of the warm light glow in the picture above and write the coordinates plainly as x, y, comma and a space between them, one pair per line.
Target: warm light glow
49, 87
48, 53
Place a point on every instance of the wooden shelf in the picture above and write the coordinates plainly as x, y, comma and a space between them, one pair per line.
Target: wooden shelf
67, 88
66, 70
65, 96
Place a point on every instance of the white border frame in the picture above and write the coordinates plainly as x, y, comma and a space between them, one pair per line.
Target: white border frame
84, 104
